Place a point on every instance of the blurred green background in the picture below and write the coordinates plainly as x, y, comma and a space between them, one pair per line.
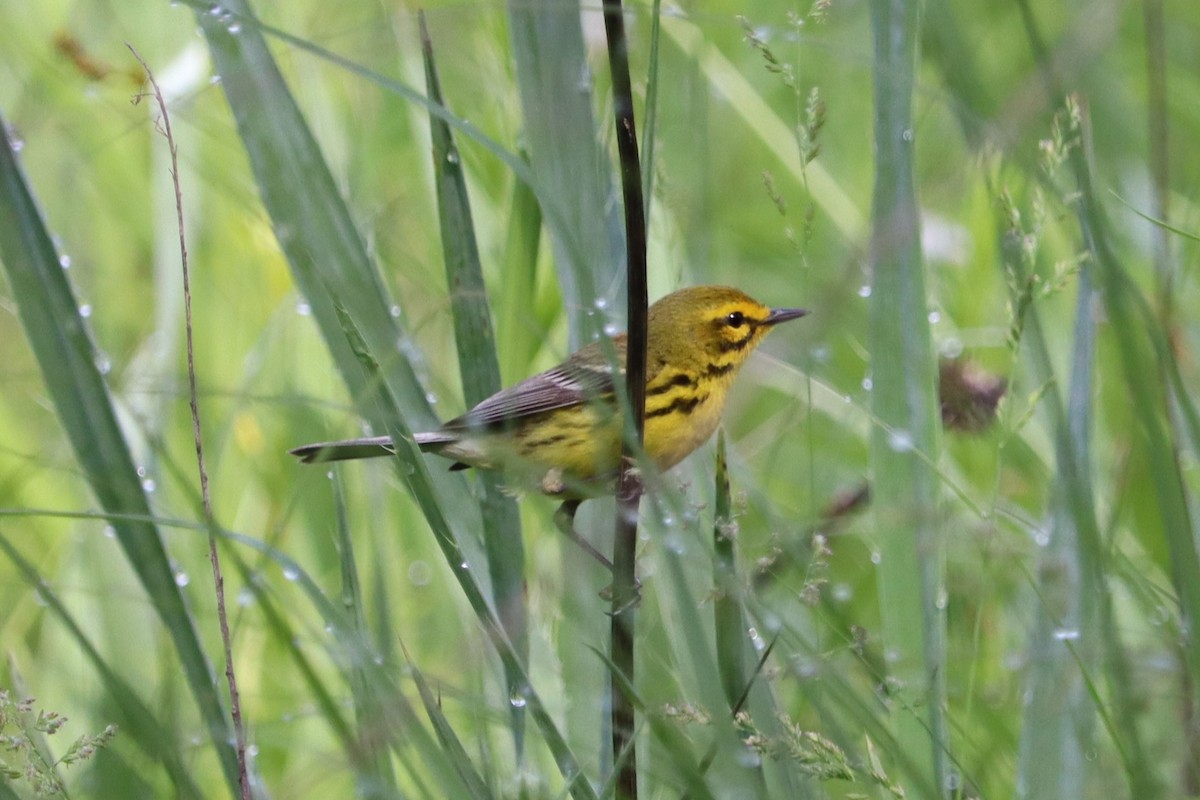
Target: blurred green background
1066, 664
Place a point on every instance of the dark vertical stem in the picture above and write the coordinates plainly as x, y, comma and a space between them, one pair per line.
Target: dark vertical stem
629, 489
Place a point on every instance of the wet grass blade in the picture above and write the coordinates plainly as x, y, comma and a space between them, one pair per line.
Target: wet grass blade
480, 371
67, 359
905, 487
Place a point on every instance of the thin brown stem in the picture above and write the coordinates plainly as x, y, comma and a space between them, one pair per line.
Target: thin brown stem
213, 557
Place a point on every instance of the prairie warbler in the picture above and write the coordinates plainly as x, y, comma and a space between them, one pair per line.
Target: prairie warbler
560, 429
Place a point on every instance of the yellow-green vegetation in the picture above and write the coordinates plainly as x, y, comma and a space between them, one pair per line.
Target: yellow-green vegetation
862, 587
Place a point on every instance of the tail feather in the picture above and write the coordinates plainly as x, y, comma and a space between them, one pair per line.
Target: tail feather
368, 447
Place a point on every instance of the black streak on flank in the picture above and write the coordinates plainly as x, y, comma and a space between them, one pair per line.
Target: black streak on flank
684, 405
717, 370
682, 379
533, 444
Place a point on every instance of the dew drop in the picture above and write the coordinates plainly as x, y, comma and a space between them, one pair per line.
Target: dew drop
85, 310
907, 135
64, 261
291, 573
182, 579
245, 597
452, 157
148, 485
842, 592
952, 347
900, 440
611, 329
806, 667
1066, 634
518, 699
15, 142
935, 317
110, 532
395, 311
864, 290
876, 557
303, 308
867, 383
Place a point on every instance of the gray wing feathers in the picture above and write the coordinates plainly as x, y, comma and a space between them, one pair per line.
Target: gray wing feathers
561, 387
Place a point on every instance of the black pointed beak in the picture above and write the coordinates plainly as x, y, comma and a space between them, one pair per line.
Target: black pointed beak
779, 315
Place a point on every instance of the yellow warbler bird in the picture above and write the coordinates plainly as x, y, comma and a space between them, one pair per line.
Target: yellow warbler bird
560, 427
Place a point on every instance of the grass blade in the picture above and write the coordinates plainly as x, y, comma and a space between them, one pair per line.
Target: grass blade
729, 618
480, 372
376, 777
903, 448
67, 360
570, 168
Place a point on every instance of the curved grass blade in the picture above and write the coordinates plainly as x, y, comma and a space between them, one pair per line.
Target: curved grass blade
67, 361
480, 371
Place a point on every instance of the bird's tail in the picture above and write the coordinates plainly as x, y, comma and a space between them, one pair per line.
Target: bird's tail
369, 447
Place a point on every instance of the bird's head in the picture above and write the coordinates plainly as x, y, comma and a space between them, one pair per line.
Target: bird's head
717, 325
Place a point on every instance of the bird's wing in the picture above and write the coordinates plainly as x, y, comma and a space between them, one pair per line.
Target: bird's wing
585, 377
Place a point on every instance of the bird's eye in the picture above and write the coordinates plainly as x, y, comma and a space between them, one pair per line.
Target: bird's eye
735, 319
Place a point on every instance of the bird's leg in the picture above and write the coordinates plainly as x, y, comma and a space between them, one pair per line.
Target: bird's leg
564, 519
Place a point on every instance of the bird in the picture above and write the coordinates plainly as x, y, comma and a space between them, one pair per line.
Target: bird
560, 430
